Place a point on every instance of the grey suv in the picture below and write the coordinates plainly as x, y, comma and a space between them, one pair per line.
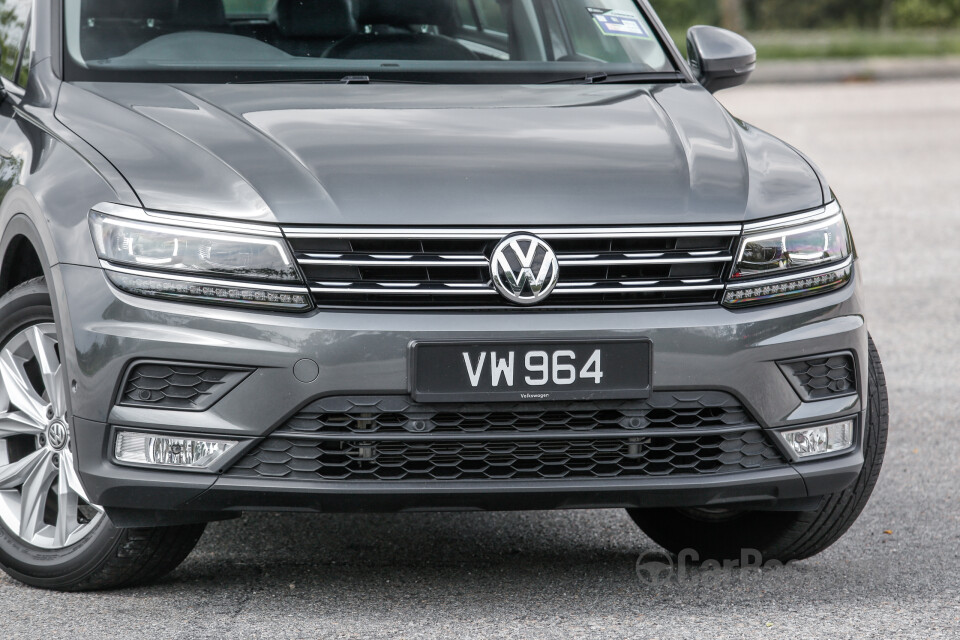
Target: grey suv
399, 255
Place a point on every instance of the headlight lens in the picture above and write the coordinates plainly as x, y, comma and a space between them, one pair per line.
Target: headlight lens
149, 245
807, 246
794, 260
191, 264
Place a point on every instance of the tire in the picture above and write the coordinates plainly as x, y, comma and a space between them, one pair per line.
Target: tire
42, 547
784, 536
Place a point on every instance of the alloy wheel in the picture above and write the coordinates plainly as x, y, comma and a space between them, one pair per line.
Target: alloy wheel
41, 499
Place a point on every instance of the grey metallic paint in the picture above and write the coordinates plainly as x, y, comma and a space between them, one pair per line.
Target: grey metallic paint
413, 155
358, 155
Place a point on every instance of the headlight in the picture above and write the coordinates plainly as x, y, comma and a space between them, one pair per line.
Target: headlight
806, 246
793, 259
149, 245
190, 263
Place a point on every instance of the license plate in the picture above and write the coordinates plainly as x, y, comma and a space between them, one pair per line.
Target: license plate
530, 371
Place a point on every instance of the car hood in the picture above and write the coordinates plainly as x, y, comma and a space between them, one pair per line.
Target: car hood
440, 155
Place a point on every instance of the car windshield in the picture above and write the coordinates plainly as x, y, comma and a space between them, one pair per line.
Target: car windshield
360, 40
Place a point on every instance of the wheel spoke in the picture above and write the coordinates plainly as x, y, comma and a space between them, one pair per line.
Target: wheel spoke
14, 423
19, 390
68, 470
16, 473
33, 496
67, 501
32, 394
44, 348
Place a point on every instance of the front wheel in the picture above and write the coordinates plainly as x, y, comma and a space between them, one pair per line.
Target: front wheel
722, 534
51, 535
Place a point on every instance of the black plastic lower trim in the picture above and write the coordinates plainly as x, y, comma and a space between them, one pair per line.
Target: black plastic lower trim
176, 496
126, 518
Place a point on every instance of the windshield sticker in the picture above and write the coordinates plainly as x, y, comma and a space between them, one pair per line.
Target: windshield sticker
622, 24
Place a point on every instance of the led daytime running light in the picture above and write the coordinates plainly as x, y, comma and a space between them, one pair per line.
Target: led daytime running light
212, 293
800, 287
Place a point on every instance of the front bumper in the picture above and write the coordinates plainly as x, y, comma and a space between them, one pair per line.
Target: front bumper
706, 348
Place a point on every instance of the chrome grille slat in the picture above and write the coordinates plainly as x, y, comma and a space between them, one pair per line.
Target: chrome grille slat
446, 289
415, 289
360, 260
378, 262
449, 268
637, 260
496, 234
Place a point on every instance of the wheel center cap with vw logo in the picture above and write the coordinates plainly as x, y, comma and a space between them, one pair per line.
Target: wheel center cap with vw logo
524, 269
57, 435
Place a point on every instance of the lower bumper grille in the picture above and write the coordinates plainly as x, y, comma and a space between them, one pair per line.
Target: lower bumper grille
822, 377
185, 387
393, 439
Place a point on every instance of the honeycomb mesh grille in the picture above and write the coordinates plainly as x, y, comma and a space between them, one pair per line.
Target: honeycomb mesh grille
395, 414
392, 438
174, 386
823, 377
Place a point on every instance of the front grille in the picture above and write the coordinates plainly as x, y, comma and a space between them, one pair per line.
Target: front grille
397, 414
393, 439
822, 377
161, 385
417, 267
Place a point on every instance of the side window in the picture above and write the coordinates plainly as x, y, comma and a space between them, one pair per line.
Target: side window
13, 29
465, 9
491, 15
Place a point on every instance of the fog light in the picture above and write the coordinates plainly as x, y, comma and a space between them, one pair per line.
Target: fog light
815, 441
169, 451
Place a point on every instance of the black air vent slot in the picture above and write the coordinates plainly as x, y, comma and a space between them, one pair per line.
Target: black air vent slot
185, 387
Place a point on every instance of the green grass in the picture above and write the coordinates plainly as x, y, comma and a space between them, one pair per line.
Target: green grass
787, 45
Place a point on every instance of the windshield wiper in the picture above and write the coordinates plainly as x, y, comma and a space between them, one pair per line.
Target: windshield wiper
343, 80
589, 78
613, 78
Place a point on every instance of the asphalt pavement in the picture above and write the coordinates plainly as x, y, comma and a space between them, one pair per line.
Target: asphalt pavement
892, 152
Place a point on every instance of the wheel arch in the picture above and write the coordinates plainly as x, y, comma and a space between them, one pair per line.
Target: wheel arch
22, 236
21, 262
26, 249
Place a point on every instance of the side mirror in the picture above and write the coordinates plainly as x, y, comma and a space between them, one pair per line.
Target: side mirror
720, 59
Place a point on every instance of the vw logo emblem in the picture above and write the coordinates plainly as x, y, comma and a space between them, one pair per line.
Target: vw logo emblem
524, 269
57, 435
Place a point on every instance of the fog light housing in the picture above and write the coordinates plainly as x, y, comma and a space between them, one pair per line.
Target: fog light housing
170, 451
820, 440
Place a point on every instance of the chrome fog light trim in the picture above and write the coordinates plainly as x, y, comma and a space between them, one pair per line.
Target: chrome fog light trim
153, 449
824, 439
